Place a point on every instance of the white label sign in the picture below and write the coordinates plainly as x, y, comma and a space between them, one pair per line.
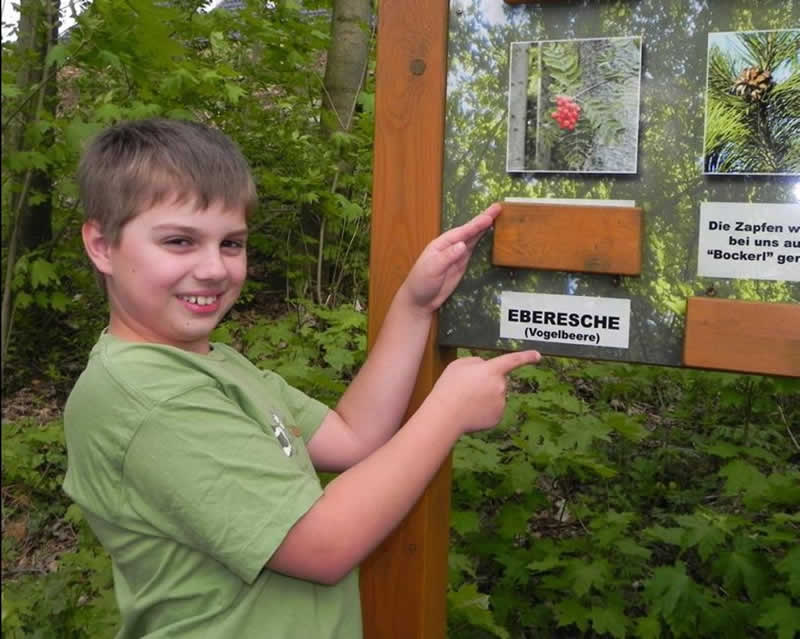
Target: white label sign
566, 319
749, 241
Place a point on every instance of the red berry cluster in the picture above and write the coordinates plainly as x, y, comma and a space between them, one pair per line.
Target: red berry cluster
566, 113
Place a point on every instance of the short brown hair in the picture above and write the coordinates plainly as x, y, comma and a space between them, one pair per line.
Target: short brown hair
133, 166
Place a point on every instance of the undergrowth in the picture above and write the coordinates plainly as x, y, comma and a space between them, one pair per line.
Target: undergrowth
630, 501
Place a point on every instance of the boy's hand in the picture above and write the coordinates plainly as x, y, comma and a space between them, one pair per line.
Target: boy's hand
439, 268
473, 391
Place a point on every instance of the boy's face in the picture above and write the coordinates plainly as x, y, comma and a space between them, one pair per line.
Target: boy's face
174, 273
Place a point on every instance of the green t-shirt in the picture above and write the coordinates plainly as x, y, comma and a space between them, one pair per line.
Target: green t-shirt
191, 469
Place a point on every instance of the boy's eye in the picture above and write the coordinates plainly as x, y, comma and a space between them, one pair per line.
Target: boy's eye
233, 244
178, 241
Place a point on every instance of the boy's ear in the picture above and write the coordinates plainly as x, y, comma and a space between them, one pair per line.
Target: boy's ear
97, 246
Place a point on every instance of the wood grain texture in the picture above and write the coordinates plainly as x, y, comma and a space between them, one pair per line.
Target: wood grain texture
567, 237
404, 582
735, 335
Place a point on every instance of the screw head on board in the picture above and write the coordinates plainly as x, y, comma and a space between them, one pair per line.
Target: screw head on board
417, 66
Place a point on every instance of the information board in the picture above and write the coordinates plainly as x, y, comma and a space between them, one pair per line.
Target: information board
688, 110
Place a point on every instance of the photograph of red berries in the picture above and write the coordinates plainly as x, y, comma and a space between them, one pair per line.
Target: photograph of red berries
752, 123
574, 105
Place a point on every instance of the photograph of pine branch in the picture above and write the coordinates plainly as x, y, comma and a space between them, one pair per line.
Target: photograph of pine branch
752, 121
573, 105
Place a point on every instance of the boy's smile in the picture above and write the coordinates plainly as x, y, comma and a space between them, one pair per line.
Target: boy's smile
174, 273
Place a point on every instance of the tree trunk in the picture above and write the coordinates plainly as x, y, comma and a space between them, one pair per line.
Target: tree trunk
31, 225
38, 31
347, 62
345, 70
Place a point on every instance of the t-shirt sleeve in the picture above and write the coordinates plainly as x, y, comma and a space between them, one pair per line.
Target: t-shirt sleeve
307, 411
202, 472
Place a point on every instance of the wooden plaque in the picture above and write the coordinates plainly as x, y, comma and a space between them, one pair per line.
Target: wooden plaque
575, 238
736, 335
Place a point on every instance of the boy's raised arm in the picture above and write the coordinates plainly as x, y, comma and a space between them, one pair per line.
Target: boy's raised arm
374, 404
387, 471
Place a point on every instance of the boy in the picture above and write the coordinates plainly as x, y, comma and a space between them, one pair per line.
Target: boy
195, 469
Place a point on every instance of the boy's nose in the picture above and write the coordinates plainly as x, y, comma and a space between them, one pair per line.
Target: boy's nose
211, 266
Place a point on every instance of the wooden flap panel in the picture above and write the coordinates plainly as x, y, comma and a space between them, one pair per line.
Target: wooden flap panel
734, 335
568, 237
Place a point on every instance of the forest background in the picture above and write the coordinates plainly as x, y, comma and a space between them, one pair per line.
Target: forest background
613, 499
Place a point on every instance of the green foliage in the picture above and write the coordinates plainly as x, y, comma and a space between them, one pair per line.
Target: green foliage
630, 501
315, 348
779, 613
67, 591
469, 608
75, 601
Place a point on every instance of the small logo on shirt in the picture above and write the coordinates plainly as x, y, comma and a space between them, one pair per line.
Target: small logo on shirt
282, 435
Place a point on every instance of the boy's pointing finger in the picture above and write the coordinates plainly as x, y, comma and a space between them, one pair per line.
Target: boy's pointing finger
506, 363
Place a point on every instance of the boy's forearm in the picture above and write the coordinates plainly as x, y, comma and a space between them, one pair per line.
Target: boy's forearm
377, 399
365, 503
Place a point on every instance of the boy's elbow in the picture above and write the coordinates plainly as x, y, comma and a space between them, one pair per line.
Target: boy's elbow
325, 544
333, 575
325, 572
334, 564
325, 564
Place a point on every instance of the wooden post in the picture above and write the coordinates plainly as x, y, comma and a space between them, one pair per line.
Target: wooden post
404, 582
